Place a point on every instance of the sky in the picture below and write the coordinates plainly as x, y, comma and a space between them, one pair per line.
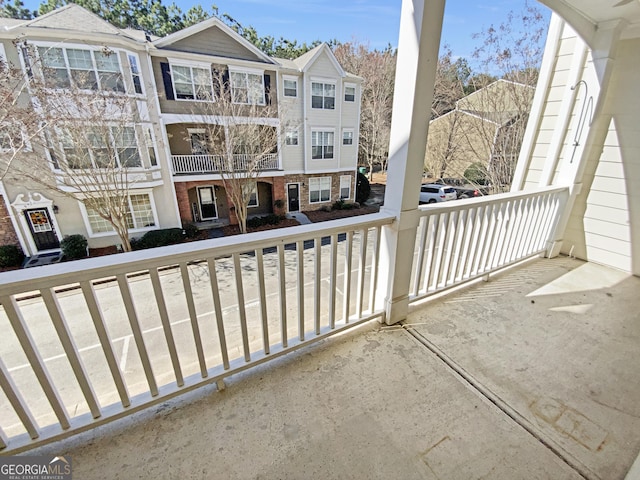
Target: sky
375, 22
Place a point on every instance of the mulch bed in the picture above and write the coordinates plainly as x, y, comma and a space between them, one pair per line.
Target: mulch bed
322, 216
235, 230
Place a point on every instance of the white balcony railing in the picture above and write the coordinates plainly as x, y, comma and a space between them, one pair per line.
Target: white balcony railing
89, 341
462, 240
197, 164
94, 340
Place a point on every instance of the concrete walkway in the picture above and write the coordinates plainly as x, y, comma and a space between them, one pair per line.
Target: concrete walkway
300, 217
518, 378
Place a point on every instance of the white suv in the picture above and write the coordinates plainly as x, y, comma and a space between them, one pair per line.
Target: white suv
432, 193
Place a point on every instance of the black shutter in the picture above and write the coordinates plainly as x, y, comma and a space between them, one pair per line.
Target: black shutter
267, 89
166, 78
226, 87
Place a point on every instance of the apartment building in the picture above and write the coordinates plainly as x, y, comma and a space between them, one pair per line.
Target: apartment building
177, 175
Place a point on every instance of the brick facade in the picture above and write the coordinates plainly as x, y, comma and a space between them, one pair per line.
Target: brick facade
303, 181
8, 234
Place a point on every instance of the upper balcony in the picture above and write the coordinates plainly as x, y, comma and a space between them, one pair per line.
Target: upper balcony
204, 164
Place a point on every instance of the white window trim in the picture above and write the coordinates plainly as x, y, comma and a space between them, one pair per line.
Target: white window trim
349, 178
23, 135
323, 130
353, 137
325, 81
3, 54
146, 191
92, 48
290, 78
355, 92
142, 167
320, 200
135, 55
250, 71
191, 65
295, 130
257, 204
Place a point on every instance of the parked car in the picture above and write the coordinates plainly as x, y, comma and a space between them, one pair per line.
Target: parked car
462, 188
432, 193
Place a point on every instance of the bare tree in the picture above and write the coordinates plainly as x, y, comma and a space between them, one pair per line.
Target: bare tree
241, 135
89, 143
377, 68
20, 126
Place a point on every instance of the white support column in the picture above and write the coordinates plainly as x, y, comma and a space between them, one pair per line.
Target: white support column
418, 45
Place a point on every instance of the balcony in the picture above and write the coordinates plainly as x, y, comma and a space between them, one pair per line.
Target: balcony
495, 372
203, 164
419, 342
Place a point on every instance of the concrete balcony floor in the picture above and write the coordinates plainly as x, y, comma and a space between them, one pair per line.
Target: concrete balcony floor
532, 375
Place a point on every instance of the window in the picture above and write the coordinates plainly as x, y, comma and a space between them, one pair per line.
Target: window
199, 141
87, 69
247, 88
11, 138
349, 93
323, 95
319, 189
321, 145
291, 137
192, 83
290, 86
347, 137
345, 187
135, 73
253, 199
151, 147
103, 147
140, 215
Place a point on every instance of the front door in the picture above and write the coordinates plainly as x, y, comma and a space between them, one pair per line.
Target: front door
44, 235
207, 203
293, 190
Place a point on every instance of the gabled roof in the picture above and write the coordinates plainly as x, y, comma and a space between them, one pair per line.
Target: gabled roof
73, 17
503, 91
211, 23
305, 61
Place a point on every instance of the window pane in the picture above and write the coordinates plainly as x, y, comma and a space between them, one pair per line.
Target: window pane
85, 79
80, 59
112, 82
290, 88
317, 89
181, 74
97, 223
52, 57
107, 62
141, 211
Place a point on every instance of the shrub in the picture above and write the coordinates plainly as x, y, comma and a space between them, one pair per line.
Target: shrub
271, 219
74, 246
11, 256
158, 238
190, 230
342, 205
476, 173
363, 189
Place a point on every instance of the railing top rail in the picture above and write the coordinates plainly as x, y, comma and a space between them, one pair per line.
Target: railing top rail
486, 200
20, 281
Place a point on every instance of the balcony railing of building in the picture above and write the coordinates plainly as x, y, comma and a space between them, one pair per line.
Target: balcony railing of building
199, 164
99, 339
